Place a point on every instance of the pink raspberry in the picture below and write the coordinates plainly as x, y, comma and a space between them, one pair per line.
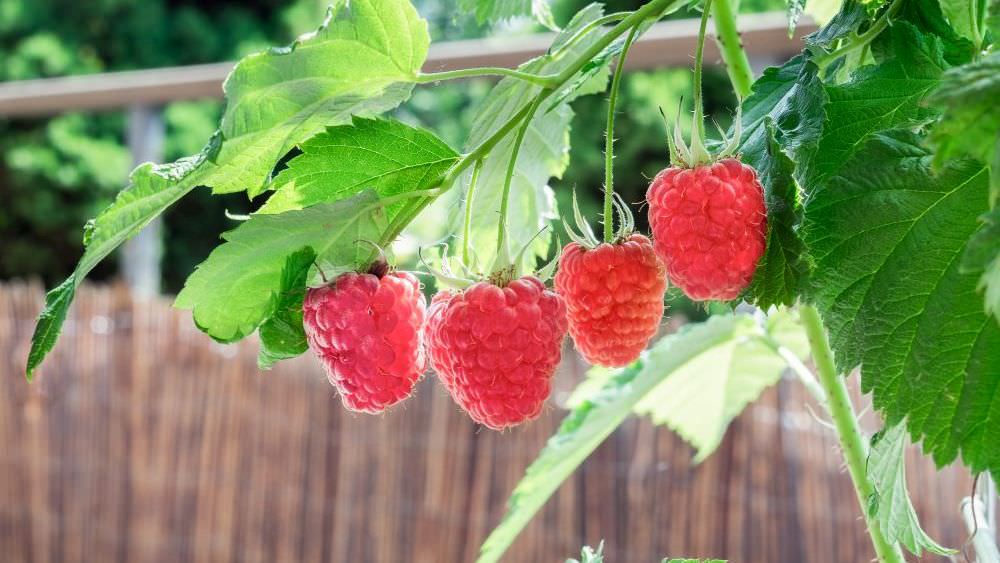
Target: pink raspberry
367, 332
614, 298
495, 349
709, 227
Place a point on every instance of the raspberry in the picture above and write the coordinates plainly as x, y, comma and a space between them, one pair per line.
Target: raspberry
614, 298
709, 227
495, 349
367, 332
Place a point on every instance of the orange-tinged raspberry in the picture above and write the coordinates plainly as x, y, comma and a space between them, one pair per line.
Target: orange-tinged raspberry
367, 332
709, 227
495, 349
614, 298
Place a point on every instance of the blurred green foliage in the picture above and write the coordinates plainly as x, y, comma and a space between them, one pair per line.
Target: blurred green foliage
57, 172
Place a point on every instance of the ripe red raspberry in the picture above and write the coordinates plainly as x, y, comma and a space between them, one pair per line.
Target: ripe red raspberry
367, 332
614, 298
709, 227
495, 349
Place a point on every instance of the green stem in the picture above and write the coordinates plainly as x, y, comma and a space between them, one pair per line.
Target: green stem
546, 81
698, 153
865, 38
655, 8
609, 140
467, 226
617, 16
502, 249
731, 47
852, 444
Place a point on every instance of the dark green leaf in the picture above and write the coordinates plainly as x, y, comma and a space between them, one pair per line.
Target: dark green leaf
878, 97
49, 323
282, 335
887, 236
782, 121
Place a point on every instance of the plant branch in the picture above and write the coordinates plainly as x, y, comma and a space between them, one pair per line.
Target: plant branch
609, 139
502, 249
731, 48
865, 38
545, 81
852, 443
654, 9
467, 225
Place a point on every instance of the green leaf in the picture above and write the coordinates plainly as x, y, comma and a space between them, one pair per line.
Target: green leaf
543, 155
927, 16
502, 10
887, 235
282, 335
891, 507
590, 555
878, 97
594, 418
960, 14
702, 396
782, 122
361, 61
982, 257
969, 127
151, 190
384, 155
232, 292
842, 25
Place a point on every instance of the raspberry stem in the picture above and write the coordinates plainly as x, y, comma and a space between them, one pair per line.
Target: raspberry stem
502, 248
852, 443
546, 81
609, 138
699, 154
467, 226
731, 48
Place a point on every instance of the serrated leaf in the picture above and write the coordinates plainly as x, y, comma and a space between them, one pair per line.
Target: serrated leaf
595, 417
779, 271
282, 335
152, 189
845, 23
503, 10
927, 16
361, 61
887, 235
782, 122
970, 125
702, 396
384, 155
878, 97
231, 292
891, 508
982, 258
544, 154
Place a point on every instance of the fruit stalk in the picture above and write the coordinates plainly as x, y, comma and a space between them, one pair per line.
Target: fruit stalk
731, 48
654, 9
852, 443
609, 140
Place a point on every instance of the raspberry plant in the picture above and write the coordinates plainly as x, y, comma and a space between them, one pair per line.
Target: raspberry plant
876, 150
